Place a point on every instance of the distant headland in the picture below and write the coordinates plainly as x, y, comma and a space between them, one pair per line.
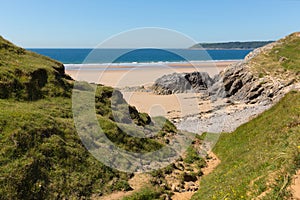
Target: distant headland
231, 45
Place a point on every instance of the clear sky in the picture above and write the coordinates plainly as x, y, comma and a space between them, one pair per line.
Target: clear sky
85, 23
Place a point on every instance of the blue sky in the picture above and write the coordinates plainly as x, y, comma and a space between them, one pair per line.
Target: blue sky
85, 23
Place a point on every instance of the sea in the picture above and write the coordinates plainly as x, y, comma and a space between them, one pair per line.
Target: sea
133, 56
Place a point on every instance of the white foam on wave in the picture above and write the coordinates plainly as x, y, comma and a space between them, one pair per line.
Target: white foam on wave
137, 65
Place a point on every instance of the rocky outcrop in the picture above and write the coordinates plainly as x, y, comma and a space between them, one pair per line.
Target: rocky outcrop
261, 50
240, 83
182, 83
237, 82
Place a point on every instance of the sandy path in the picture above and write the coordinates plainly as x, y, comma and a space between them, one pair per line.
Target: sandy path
295, 187
211, 165
182, 196
137, 182
172, 106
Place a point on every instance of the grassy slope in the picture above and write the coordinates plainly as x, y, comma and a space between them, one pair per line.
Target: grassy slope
259, 158
25, 75
41, 155
282, 61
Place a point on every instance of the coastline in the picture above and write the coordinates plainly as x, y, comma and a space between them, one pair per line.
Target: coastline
174, 107
139, 74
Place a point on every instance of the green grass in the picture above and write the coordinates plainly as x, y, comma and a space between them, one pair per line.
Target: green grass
25, 75
282, 59
260, 156
148, 193
193, 157
41, 155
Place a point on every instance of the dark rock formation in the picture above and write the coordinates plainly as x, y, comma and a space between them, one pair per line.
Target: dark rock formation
242, 81
231, 81
238, 82
182, 83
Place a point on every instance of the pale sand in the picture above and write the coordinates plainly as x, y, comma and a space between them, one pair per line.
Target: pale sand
170, 106
295, 186
173, 106
145, 75
137, 182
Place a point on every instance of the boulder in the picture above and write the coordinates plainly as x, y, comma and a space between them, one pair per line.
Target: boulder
182, 83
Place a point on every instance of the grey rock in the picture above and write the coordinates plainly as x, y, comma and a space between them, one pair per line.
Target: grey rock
237, 82
182, 83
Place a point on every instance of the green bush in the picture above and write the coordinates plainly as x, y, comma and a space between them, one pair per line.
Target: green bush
191, 155
121, 185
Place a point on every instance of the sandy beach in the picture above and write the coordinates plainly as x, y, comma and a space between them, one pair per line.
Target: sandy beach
137, 75
171, 106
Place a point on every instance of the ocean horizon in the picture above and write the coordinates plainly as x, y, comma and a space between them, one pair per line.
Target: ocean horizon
138, 56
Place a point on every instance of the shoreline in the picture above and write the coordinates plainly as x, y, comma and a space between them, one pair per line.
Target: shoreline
120, 76
90, 66
175, 106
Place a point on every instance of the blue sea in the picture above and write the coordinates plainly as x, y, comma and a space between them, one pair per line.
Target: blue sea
100, 56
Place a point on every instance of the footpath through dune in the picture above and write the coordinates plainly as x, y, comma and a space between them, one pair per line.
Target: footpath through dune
295, 186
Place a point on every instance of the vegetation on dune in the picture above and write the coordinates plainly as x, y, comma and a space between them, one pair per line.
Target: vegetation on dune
259, 158
147, 193
25, 75
283, 60
41, 155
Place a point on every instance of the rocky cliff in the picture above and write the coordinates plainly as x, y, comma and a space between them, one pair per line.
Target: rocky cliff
265, 74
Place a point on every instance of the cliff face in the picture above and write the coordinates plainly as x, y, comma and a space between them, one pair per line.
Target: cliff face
263, 75
239, 83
